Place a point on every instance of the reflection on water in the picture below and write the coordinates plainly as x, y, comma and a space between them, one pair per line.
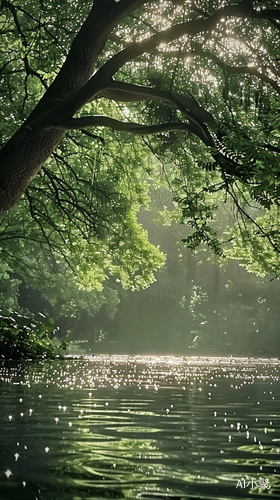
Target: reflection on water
133, 427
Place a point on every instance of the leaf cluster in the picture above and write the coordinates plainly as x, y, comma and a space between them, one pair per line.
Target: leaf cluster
26, 337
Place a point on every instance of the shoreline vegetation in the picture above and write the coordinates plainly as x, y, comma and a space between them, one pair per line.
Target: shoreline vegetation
27, 337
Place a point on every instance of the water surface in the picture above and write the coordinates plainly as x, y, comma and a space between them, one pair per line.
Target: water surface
140, 427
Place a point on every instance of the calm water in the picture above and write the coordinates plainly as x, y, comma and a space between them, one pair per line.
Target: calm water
140, 427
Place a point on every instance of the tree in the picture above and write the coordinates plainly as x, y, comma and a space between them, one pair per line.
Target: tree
200, 78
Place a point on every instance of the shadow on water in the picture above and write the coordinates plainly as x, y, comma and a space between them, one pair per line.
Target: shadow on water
140, 427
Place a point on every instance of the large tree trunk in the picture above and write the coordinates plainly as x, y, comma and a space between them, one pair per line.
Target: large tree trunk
24, 154
20, 161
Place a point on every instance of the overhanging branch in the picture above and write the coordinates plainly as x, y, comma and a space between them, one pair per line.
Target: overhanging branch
197, 115
245, 70
120, 91
231, 70
133, 128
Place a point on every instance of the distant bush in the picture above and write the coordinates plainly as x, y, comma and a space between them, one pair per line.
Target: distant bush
27, 337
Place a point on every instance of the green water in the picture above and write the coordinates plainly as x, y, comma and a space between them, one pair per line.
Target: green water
140, 427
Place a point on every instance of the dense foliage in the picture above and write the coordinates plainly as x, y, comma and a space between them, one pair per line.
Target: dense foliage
132, 95
25, 336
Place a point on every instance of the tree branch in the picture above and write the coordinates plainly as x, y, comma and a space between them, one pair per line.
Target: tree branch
197, 115
120, 91
12, 8
231, 70
235, 70
133, 128
249, 70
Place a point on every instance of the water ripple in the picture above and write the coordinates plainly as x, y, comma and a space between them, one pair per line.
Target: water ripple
132, 427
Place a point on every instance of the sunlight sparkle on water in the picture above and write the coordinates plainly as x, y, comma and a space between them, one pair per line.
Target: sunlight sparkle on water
147, 372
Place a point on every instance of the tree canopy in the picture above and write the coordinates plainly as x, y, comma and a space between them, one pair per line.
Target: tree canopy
100, 103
